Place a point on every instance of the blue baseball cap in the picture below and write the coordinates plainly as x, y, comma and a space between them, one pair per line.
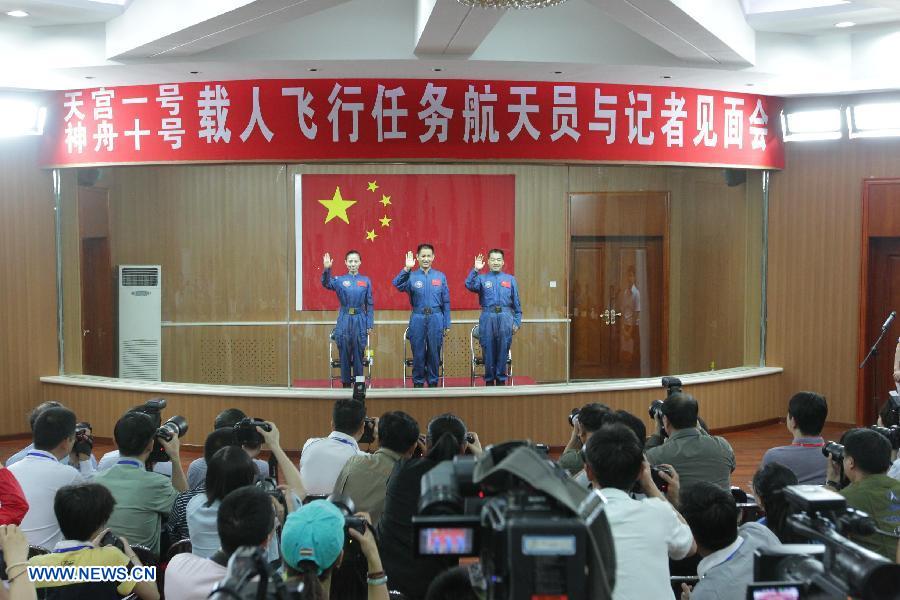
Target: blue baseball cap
315, 532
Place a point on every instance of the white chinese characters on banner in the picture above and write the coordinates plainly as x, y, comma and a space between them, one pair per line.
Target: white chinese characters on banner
171, 128
523, 112
213, 105
435, 115
304, 110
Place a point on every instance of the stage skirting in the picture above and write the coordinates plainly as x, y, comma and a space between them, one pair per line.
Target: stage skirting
729, 398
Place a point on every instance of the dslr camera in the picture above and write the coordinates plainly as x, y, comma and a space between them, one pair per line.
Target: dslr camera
832, 566
176, 426
84, 438
245, 433
536, 531
892, 434
673, 385
834, 451
348, 509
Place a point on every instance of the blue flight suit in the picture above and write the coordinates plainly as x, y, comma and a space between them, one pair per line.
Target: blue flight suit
356, 316
430, 300
498, 294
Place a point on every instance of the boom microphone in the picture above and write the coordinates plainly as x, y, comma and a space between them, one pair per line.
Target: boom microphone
887, 322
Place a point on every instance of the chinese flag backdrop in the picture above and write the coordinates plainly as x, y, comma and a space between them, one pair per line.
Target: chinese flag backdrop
460, 215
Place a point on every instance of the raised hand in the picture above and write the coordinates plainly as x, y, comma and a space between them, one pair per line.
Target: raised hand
479, 262
410, 260
326, 261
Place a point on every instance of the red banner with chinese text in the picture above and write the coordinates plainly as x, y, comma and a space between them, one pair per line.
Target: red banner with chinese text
412, 119
384, 216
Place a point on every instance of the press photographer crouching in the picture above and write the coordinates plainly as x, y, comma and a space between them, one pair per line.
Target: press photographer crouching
863, 458
584, 421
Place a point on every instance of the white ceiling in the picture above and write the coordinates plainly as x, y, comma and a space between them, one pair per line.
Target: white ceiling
780, 47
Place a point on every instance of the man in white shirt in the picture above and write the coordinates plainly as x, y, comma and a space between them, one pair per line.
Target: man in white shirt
646, 532
246, 518
41, 474
85, 466
322, 459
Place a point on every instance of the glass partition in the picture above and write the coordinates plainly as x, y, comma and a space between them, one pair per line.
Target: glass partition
623, 271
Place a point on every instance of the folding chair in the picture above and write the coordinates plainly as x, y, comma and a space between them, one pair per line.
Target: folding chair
408, 361
477, 358
334, 360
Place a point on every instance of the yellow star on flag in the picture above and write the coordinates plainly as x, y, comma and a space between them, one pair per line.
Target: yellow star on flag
371, 235
337, 206
385, 200
373, 185
385, 222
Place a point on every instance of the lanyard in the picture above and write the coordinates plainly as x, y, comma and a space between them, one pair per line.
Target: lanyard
132, 463
804, 445
44, 456
341, 440
73, 548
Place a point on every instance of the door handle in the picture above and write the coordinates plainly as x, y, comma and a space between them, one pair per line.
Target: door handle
84, 332
612, 316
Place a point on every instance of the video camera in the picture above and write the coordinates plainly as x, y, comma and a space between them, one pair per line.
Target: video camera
245, 433
175, 426
835, 567
535, 530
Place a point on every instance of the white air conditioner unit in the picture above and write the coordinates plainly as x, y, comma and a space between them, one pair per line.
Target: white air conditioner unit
140, 322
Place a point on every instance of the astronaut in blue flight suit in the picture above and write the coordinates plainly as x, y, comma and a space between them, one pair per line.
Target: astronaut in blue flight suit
357, 313
430, 318
501, 313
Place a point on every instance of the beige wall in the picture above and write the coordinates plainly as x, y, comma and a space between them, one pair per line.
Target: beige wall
224, 237
815, 237
27, 281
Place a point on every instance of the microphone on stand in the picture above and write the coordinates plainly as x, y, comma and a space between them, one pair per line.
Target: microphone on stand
889, 320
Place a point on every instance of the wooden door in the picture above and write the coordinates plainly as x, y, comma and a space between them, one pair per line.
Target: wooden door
883, 297
97, 309
616, 307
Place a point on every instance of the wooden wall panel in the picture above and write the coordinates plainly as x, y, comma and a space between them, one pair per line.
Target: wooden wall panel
235, 355
219, 232
815, 229
70, 243
496, 418
28, 347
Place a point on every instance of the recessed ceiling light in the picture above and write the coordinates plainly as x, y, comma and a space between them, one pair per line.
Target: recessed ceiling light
844, 24
667, 77
437, 69
557, 72
750, 84
17, 13
313, 69
88, 76
195, 72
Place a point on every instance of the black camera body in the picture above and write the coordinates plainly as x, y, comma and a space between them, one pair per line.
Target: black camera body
175, 426
673, 385
834, 451
368, 435
892, 434
535, 535
245, 433
270, 486
347, 508
84, 439
573, 416
832, 567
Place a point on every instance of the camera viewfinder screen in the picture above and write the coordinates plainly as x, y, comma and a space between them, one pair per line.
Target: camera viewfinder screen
778, 592
446, 540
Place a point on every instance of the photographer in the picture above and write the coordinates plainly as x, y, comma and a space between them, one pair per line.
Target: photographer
446, 438
727, 550
323, 458
86, 463
867, 456
806, 416
585, 421
111, 458
312, 543
696, 455
768, 488
646, 532
245, 517
82, 512
41, 473
364, 477
142, 497
228, 418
